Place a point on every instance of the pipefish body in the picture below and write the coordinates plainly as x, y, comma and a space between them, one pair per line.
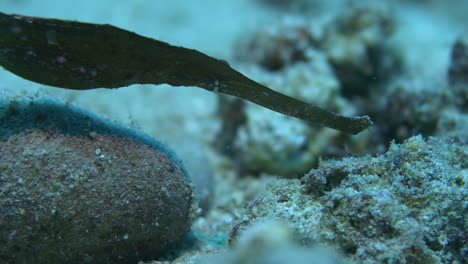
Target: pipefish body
81, 56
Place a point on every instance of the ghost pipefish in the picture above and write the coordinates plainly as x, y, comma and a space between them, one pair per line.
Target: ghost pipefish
81, 56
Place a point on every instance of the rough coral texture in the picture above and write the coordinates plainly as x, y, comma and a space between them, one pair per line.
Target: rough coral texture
406, 206
91, 198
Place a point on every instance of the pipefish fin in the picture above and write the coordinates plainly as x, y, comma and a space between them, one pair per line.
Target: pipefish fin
81, 56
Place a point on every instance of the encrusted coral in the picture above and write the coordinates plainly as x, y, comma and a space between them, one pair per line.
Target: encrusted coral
406, 206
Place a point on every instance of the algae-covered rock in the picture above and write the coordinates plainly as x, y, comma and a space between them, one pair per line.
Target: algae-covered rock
406, 206
71, 196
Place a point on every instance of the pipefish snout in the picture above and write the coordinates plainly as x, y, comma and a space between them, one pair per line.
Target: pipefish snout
81, 56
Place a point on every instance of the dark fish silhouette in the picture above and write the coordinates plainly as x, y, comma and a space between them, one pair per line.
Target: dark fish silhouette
75, 55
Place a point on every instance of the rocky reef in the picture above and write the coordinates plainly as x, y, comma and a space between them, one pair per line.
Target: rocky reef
265, 188
405, 206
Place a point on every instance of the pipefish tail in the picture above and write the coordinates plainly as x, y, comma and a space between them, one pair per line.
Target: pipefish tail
81, 56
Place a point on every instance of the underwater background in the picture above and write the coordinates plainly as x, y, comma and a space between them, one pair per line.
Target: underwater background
267, 188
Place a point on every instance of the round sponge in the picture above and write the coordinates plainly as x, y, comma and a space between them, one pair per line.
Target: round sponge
90, 193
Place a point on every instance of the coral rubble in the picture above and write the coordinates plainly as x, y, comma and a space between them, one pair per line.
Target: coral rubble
406, 206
